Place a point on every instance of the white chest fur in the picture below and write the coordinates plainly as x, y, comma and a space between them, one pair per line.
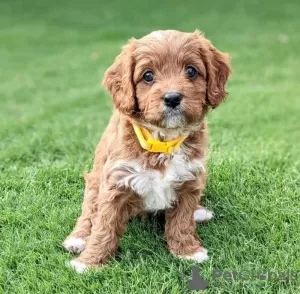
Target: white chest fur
157, 189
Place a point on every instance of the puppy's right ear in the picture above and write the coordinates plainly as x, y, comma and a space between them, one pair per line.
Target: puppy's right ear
118, 80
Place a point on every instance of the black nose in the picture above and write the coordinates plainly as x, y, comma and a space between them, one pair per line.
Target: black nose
172, 99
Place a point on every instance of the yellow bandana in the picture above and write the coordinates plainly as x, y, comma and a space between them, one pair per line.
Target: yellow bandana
148, 143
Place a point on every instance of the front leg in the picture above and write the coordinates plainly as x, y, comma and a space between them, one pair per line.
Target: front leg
114, 210
180, 229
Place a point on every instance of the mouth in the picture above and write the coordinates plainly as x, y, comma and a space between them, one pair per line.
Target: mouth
173, 118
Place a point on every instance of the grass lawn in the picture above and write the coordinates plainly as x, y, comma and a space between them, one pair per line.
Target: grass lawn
53, 111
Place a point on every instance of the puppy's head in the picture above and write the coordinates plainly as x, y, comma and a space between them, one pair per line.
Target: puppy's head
168, 79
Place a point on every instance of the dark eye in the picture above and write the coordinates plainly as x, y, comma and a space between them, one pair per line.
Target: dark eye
191, 72
148, 76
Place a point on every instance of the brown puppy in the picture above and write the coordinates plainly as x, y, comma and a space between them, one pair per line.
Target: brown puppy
163, 84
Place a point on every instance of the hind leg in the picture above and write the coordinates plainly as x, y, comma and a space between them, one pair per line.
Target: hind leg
202, 214
115, 209
76, 241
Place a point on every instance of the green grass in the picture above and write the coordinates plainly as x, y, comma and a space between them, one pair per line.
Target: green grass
53, 111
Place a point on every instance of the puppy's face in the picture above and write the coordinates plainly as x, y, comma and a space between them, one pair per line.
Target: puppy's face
168, 79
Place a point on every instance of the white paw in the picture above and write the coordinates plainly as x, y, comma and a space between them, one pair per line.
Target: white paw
200, 256
79, 267
75, 245
202, 215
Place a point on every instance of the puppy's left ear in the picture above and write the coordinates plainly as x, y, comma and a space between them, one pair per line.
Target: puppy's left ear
218, 70
118, 79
